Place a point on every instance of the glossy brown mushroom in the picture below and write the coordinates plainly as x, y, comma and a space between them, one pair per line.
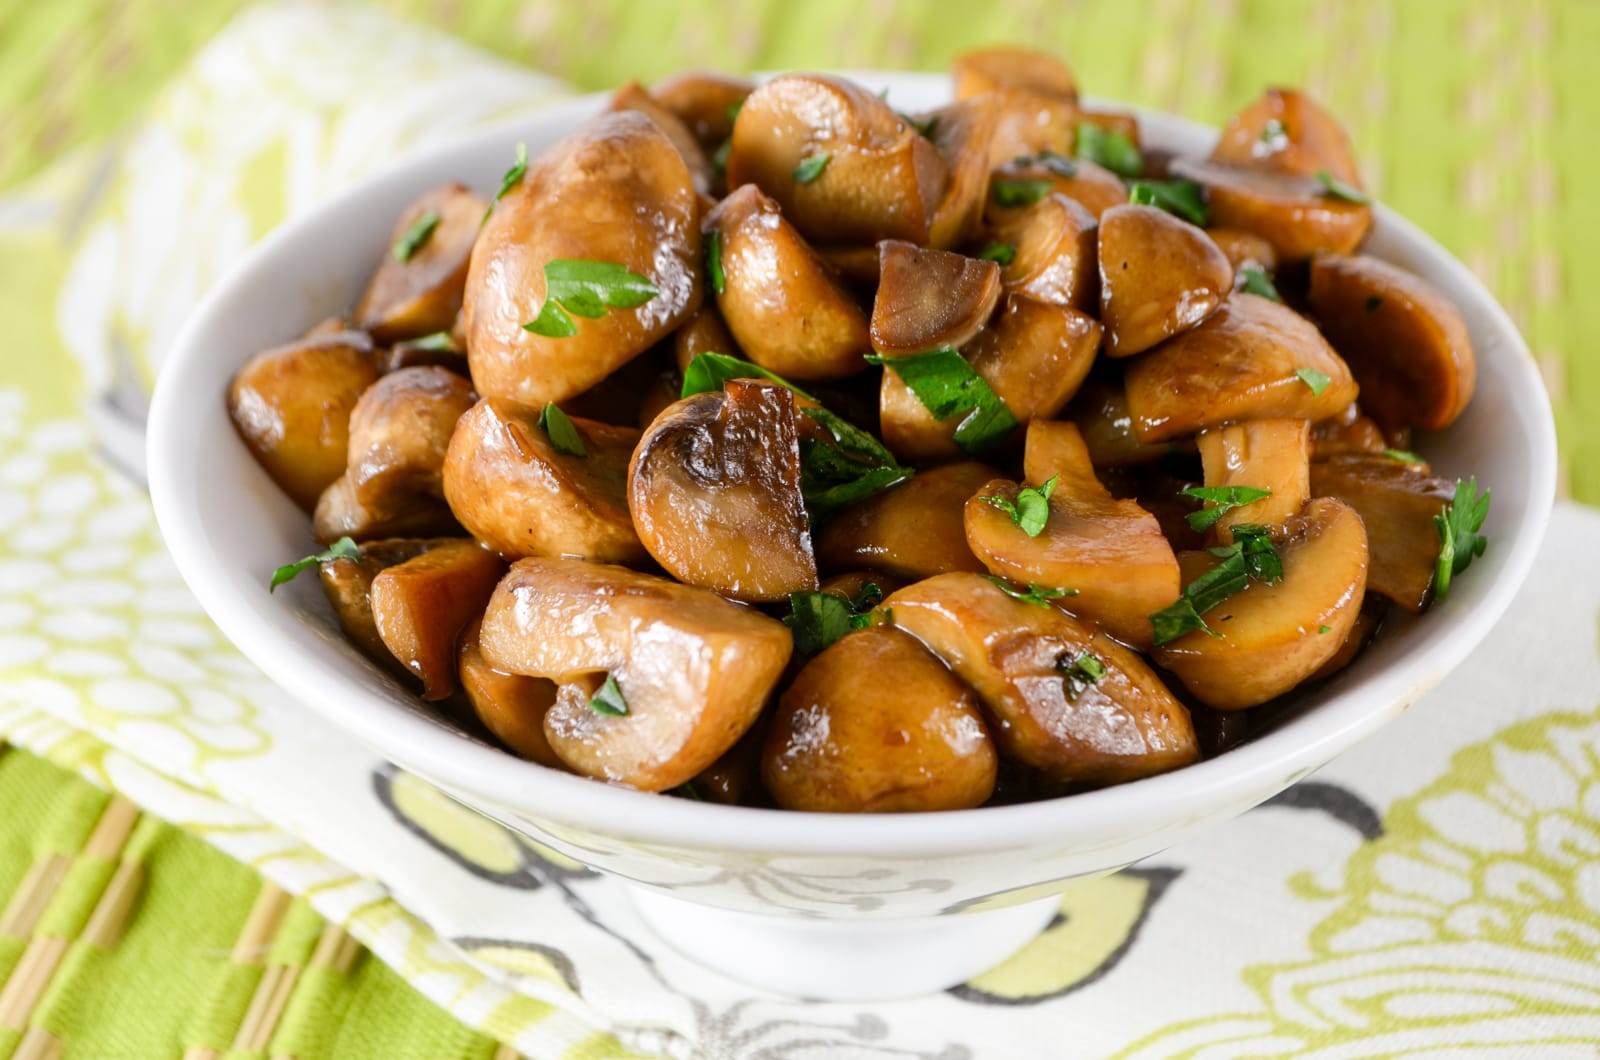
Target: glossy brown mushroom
1244, 250
1036, 97
1242, 363
693, 669
511, 706
1348, 431
422, 293
1287, 130
1089, 184
616, 191
1053, 251
1295, 214
632, 96
963, 132
930, 299
704, 332
1272, 455
420, 607
705, 102
1397, 501
347, 584
1159, 275
1100, 412
1405, 341
913, 530
714, 487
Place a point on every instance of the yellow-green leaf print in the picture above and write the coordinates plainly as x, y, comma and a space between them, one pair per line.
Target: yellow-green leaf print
1474, 923
523, 960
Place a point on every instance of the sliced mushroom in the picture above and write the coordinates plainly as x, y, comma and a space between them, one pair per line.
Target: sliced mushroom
876, 724
1244, 250
1034, 356
1036, 98
348, 586
632, 96
1266, 454
1100, 411
1031, 667
1091, 185
618, 192
714, 487
1349, 431
963, 132
392, 485
928, 299
1405, 341
913, 530
1287, 131
291, 405
1159, 275
705, 102
1397, 501
420, 607
1296, 215
511, 706
845, 166
417, 290
692, 669
1053, 251
1267, 638
1111, 552
1245, 362
779, 299
515, 491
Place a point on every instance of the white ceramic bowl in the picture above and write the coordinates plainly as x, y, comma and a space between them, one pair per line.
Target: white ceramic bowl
820, 905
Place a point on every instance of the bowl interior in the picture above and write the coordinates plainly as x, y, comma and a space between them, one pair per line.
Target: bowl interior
228, 527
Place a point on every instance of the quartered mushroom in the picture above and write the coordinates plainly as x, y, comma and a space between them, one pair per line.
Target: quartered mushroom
614, 195
632, 96
877, 724
1062, 697
1405, 342
1273, 455
1036, 97
291, 405
1287, 130
714, 488
418, 286
1269, 637
1052, 246
846, 168
1159, 275
392, 484
1397, 501
347, 583
690, 670
1252, 359
1110, 552
421, 605
511, 706
1087, 183
928, 299
963, 132
913, 530
1299, 216
782, 303
704, 102
524, 493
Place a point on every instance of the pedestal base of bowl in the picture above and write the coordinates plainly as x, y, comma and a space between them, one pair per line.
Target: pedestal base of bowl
843, 960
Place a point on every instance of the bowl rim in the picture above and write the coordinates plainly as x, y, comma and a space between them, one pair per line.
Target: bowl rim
475, 772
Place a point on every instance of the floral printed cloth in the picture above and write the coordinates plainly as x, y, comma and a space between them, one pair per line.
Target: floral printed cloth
1436, 888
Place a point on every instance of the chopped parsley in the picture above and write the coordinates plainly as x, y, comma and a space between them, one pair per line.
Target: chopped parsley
1324, 629
1183, 198
1035, 594
999, 253
563, 435
1080, 671
1459, 541
811, 167
710, 371
587, 289
1252, 555
344, 548
511, 179
438, 342
1012, 191
1334, 188
415, 237
817, 619
608, 700
849, 467
1031, 508
947, 386
1219, 501
714, 274
1314, 380
1404, 456
1109, 148
1256, 281
1274, 135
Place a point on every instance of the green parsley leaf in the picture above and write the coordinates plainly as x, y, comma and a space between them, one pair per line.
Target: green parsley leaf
1109, 148
1035, 594
687, 790
1374, 303
852, 468
1334, 188
1080, 671
552, 322
609, 699
1220, 500
1184, 198
1030, 510
1404, 456
1256, 281
1018, 192
1274, 134
511, 179
999, 253
924, 127
849, 437
1459, 541
1260, 555
1252, 555
719, 157
1316, 381
415, 237
563, 435
733, 110
710, 371
586, 289
438, 342
948, 386
344, 548
1324, 629
821, 502
817, 619
811, 167
1176, 619
719, 280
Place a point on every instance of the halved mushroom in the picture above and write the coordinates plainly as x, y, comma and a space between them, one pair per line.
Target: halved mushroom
1267, 638
519, 493
1287, 130
1297, 215
1159, 275
1062, 697
705, 102
1100, 411
963, 132
418, 286
779, 299
928, 299
1349, 431
348, 586
1244, 250
1035, 93
1091, 185
845, 166
913, 530
1252, 359
1034, 356
714, 487
876, 724
1397, 501
1053, 251
1110, 551
632, 96
1405, 341
1266, 454
291, 405
691, 670
615, 192
420, 607
392, 485
512, 706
